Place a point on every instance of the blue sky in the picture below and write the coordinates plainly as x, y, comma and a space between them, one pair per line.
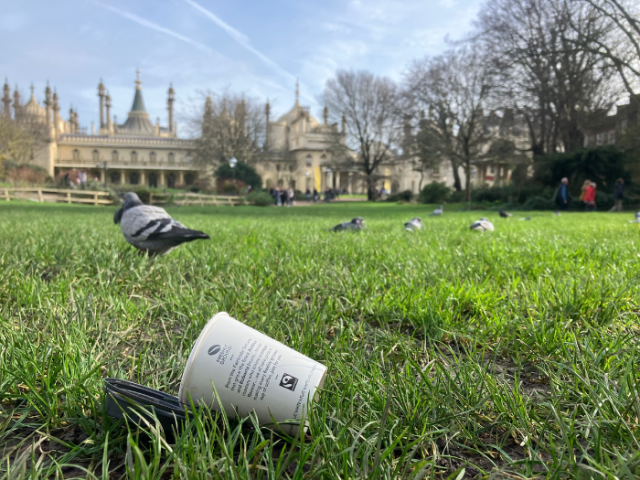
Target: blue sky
250, 46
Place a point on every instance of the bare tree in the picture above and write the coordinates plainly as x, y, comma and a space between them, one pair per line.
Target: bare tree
555, 86
17, 143
458, 87
227, 125
622, 47
425, 149
368, 106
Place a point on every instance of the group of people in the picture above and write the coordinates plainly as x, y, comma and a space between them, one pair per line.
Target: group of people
588, 195
282, 196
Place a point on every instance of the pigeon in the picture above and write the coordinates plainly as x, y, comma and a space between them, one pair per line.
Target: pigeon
151, 229
482, 225
413, 224
437, 211
637, 220
356, 224
524, 218
504, 214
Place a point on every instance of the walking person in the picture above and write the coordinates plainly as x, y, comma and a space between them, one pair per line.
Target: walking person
583, 189
618, 195
279, 195
562, 196
590, 198
316, 195
290, 196
308, 194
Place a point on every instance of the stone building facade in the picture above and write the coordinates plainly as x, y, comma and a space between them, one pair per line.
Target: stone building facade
135, 152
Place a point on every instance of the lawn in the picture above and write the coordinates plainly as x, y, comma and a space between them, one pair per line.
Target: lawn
511, 354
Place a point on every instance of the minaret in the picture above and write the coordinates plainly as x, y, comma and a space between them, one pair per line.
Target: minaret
157, 126
101, 95
6, 99
344, 124
325, 115
267, 111
16, 103
208, 107
171, 97
107, 102
48, 103
56, 113
297, 92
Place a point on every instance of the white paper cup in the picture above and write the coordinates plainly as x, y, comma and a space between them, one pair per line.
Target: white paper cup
250, 371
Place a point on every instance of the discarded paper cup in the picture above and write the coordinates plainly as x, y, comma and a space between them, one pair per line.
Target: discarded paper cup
251, 372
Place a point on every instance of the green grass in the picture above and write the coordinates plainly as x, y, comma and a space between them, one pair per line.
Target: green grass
511, 354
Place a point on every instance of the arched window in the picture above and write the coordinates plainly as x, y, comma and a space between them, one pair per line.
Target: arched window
114, 156
309, 160
171, 180
134, 156
153, 180
189, 178
278, 167
134, 178
76, 154
115, 178
95, 155
152, 157
172, 158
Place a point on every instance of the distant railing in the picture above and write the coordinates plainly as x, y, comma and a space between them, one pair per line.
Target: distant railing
195, 199
54, 195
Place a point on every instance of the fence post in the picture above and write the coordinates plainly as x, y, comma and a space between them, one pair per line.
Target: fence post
68, 196
151, 198
6, 193
95, 198
40, 195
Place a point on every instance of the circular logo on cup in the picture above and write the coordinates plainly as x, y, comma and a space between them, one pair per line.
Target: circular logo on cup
213, 349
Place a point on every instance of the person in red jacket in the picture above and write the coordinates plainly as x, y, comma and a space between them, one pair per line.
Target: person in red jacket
590, 198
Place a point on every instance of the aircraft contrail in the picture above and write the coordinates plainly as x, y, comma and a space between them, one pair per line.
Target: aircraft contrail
155, 26
240, 38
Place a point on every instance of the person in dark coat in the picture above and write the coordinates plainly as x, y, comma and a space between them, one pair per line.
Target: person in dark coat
563, 198
618, 195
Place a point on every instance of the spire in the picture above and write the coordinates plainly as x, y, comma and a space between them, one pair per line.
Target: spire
32, 90
171, 96
297, 91
325, 115
101, 90
344, 123
138, 82
6, 99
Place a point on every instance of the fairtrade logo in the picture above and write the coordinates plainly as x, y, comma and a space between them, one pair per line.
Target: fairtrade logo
213, 349
289, 382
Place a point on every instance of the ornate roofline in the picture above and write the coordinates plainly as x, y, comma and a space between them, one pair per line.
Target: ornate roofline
71, 139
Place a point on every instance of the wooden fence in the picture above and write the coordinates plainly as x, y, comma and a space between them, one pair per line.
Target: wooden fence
195, 199
54, 195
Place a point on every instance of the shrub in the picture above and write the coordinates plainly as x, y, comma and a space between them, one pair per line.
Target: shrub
539, 203
243, 172
435, 193
260, 198
230, 189
405, 196
457, 196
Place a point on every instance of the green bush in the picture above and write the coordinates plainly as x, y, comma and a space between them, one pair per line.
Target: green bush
243, 172
260, 198
435, 193
405, 196
539, 203
230, 189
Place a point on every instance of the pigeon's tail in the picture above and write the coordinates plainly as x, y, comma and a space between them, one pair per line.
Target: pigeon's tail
190, 235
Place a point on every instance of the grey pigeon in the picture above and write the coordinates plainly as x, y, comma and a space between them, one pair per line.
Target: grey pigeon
637, 220
504, 214
151, 229
413, 224
482, 225
356, 224
437, 211
524, 218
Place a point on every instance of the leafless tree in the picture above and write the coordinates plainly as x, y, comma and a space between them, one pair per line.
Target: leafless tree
554, 85
622, 47
18, 143
458, 87
368, 106
425, 149
226, 125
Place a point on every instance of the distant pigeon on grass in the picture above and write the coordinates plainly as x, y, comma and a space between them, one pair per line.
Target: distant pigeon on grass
637, 220
482, 225
437, 212
151, 229
413, 224
354, 225
524, 218
504, 214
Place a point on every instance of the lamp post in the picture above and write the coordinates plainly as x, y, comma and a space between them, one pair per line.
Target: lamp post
103, 165
232, 163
